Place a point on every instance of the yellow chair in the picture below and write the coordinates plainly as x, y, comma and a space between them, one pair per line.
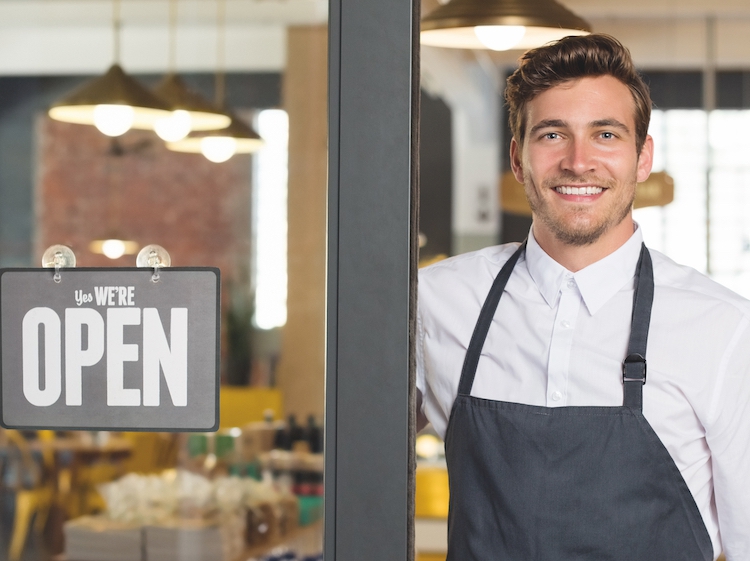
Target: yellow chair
241, 405
35, 500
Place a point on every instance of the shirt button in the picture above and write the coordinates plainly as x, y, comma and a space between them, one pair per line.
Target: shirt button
557, 396
571, 283
565, 324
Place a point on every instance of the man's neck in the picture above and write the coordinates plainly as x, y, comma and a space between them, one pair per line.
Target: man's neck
577, 257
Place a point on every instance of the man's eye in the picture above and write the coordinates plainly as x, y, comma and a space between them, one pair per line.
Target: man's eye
607, 135
551, 135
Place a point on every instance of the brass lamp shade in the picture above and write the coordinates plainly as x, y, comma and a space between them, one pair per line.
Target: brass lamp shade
247, 140
204, 116
452, 25
113, 88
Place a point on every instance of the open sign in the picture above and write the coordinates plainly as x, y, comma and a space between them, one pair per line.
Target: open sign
110, 349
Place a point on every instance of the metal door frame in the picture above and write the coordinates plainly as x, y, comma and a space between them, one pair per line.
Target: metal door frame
372, 255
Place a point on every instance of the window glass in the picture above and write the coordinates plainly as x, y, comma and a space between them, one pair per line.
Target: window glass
696, 147
255, 487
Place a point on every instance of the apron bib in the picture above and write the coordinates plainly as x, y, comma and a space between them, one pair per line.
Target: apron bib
530, 483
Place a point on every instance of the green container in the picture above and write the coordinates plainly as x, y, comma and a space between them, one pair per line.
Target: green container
310, 509
246, 469
223, 445
197, 445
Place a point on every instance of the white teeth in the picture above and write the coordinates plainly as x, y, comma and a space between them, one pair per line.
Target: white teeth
565, 190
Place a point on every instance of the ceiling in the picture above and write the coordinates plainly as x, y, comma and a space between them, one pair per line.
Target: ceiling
663, 9
156, 12
39, 37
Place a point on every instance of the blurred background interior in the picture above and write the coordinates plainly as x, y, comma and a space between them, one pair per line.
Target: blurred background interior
251, 200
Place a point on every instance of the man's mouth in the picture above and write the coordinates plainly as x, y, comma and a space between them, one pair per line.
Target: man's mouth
567, 190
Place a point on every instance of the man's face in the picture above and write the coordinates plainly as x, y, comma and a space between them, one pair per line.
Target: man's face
579, 163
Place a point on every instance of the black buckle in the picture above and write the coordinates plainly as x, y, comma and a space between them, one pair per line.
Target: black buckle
635, 358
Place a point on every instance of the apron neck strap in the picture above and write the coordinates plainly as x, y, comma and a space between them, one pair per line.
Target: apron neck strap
474, 351
634, 365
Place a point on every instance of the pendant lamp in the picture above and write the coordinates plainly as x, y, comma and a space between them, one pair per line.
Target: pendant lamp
220, 145
190, 110
499, 24
115, 102
239, 137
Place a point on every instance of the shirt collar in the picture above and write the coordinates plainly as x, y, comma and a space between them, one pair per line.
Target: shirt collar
597, 283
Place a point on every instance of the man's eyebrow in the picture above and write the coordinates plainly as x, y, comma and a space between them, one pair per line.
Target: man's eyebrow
548, 123
610, 123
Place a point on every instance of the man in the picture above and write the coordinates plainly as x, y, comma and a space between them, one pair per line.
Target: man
599, 405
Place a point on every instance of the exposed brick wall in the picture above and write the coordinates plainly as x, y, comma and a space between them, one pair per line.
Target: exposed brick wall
198, 210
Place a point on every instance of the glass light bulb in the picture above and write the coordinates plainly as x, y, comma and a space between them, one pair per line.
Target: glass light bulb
218, 148
175, 127
113, 120
114, 249
500, 37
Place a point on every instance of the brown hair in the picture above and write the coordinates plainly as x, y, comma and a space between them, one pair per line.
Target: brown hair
568, 59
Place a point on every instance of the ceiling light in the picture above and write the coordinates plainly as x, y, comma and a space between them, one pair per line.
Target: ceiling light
219, 146
114, 248
113, 120
237, 138
175, 127
500, 37
189, 109
115, 102
499, 24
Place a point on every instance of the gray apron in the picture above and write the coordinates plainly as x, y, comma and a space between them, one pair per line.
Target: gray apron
530, 483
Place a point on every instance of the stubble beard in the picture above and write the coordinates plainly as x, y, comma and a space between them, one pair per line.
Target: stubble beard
575, 228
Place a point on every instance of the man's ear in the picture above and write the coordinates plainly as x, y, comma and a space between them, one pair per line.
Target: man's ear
515, 160
645, 160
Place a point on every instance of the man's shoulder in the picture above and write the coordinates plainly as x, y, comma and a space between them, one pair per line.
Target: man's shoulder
467, 264
687, 283
463, 280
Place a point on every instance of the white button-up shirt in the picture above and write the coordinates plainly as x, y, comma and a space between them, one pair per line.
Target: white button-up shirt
559, 339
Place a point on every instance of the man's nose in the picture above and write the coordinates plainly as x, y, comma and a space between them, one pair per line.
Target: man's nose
579, 157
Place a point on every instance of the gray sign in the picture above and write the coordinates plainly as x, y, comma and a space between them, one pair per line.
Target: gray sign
110, 349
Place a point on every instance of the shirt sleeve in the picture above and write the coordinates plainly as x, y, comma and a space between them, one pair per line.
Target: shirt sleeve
425, 378
419, 351
728, 438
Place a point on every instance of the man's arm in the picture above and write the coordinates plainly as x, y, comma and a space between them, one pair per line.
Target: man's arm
728, 437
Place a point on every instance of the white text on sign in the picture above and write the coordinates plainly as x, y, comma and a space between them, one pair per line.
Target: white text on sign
108, 296
158, 354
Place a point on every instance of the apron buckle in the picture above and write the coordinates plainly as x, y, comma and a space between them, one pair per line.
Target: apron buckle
632, 366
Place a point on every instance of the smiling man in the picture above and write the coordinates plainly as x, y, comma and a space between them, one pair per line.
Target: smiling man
594, 396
